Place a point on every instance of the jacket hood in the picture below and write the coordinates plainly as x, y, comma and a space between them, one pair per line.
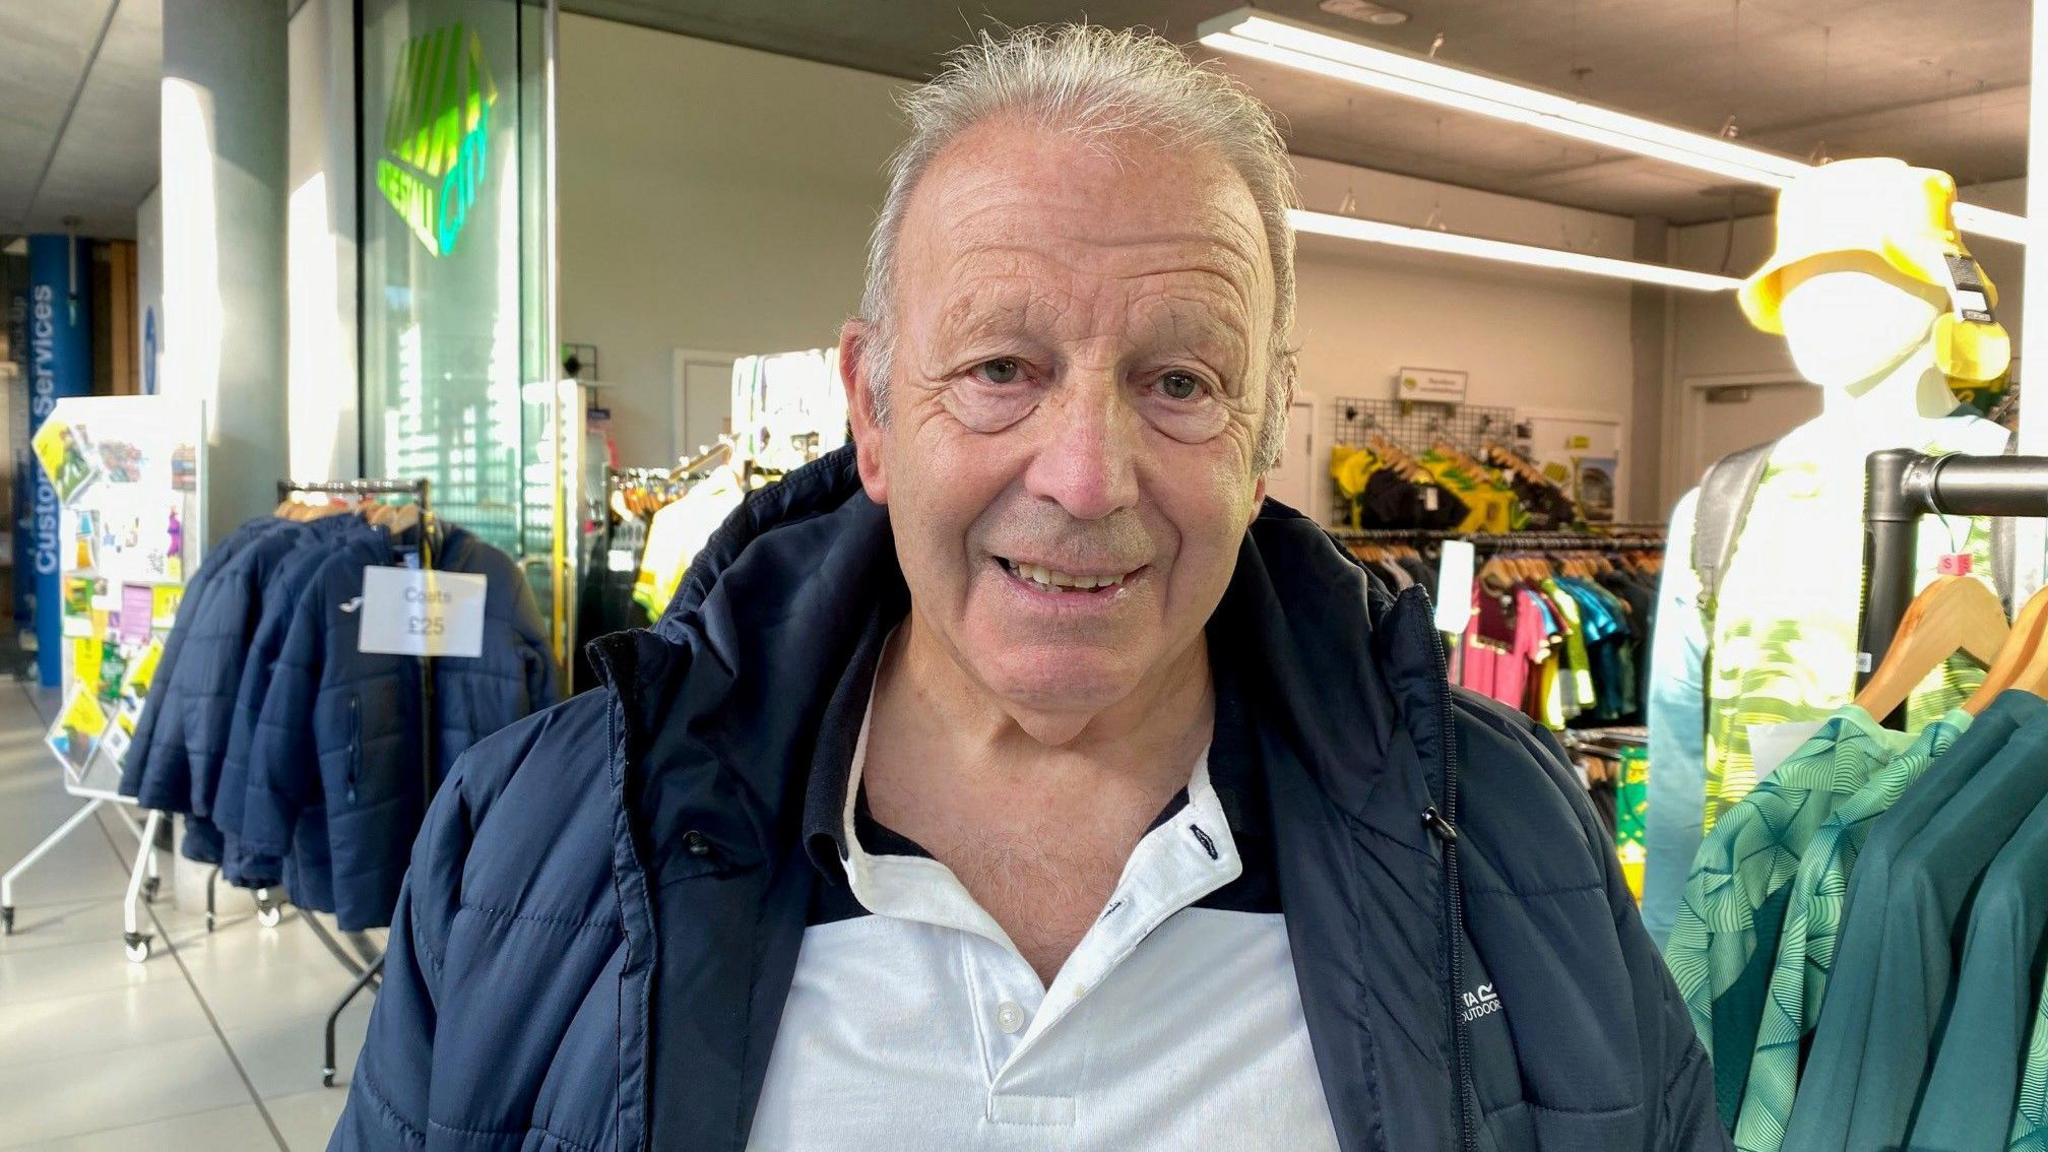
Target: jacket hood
772, 611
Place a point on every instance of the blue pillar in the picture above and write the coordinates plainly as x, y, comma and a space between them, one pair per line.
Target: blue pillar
22, 513
59, 365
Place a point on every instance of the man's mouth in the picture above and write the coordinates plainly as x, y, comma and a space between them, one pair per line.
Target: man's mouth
1044, 579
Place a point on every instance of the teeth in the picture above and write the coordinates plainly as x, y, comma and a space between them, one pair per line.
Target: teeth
1046, 576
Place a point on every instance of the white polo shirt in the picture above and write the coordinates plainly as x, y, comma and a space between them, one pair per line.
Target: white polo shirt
914, 1025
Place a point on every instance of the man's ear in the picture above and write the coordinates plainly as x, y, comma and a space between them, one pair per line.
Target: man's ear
854, 368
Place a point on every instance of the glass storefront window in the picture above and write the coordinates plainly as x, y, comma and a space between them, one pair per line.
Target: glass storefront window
457, 376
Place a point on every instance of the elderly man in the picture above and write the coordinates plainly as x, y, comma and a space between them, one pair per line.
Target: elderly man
1019, 779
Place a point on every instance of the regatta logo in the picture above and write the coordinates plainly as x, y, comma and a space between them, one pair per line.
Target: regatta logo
437, 135
1479, 1002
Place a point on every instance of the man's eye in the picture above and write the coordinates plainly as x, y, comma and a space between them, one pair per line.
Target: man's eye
1001, 370
1180, 385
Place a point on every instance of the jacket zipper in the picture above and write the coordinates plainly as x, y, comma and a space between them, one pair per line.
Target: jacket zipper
1444, 826
355, 745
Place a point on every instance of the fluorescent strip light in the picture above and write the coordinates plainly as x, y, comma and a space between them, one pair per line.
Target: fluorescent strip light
1402, 236
1261, 37
1981, 221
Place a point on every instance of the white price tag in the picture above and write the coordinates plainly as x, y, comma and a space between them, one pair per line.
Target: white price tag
1454, 587
1772, 744
414, 612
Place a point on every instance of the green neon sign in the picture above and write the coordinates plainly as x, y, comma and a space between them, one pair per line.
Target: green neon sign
437, 135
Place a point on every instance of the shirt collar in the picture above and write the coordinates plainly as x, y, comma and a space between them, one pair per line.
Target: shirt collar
1231, 770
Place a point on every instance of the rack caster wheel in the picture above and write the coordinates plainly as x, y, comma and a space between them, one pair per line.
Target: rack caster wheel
6, 920
269, 915
150, 887
327, 1077
136, 945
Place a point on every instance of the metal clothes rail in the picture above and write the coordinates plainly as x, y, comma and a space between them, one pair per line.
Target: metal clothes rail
1901, 486
371, 973
1637, 538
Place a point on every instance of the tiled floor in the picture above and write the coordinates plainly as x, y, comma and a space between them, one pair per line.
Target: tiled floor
213, 1043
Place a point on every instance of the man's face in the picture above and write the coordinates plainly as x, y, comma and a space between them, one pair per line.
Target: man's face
1084, 342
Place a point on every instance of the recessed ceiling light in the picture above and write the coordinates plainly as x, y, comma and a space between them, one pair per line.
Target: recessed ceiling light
1365, 11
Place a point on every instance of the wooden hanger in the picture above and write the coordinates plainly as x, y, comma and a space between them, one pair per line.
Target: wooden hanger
1953, 614
2023, 662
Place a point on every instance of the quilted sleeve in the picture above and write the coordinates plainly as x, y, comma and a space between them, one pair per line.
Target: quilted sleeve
1687, 1119
389, 1090
284, 754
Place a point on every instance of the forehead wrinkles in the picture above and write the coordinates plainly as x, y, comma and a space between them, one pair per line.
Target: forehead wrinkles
998, 301
1005, 291
1122, 217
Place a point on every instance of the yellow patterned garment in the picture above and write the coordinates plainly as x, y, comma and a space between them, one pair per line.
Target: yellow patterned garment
1783, 642
1492, 504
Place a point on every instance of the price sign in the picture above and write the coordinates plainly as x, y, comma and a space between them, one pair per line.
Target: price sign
1454, 586
421, 612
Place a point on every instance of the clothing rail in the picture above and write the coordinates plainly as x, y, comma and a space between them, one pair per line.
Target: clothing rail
372, 972
1901, 486
418, 489
1634, 540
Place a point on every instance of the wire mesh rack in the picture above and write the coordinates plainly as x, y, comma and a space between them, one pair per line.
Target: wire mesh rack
1415, 425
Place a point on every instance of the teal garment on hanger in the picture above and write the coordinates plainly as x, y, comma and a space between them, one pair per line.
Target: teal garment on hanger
1932, 884
1830, 1084
1970, 1095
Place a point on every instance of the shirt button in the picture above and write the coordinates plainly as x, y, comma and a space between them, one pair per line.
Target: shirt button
1009, 1017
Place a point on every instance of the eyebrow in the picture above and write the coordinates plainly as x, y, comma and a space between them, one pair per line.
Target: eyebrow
1196, 325
990, 307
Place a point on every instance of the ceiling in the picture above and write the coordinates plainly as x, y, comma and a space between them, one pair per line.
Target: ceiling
1938, 83
1942, 84
78, 113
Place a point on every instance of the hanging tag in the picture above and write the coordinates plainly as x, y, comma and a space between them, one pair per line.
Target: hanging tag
1971, 299
1772, 744
415, 612
1454, 587
1955, 564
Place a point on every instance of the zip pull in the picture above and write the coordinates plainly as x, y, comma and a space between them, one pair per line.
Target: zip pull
1438, 826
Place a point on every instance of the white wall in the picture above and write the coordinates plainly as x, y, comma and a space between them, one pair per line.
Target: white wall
712, 198
720, 199
1532, 340
320, 247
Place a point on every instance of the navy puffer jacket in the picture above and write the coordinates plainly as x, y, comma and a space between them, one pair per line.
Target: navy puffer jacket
604, 908
336, 782
158, 768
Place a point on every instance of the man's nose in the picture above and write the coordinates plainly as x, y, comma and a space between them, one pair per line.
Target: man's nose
1088, 460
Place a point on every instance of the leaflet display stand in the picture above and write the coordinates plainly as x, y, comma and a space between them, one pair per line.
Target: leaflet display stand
127, 471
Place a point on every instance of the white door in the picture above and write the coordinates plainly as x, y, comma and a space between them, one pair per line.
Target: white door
1729, 418
1292, 480
703, 399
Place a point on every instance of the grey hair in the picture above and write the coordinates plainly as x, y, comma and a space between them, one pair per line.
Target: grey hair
1099, 83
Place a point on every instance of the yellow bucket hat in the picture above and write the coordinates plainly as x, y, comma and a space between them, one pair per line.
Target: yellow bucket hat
1904, 216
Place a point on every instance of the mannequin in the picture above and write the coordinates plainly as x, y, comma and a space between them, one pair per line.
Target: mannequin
1881, 308
1865, 335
